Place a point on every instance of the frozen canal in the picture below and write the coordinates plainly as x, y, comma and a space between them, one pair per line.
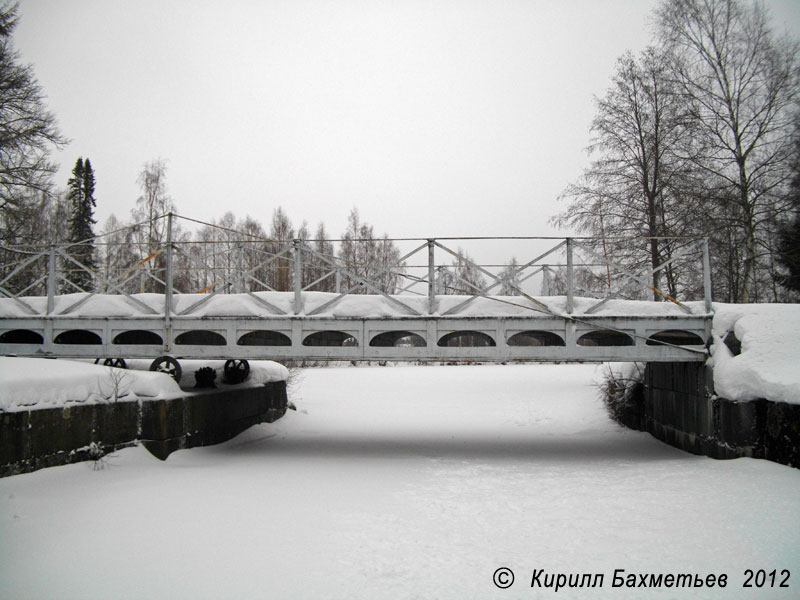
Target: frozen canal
406, 482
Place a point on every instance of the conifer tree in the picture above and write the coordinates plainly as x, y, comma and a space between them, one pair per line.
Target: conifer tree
81, 198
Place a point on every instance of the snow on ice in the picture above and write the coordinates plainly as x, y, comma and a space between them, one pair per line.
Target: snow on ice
403, 483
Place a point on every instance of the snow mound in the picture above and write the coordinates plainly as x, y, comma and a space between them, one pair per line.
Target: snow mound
44, 383
29, 383
768, 364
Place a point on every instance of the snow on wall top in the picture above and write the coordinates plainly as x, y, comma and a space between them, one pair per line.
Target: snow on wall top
354, 305
769, 364
35, 383
44, 383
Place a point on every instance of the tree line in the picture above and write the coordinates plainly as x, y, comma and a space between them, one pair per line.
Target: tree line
698, 135
227, 255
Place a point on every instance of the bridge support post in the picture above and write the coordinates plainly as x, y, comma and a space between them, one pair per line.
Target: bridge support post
168, 284
298, 278
431, 278
51, 280
570, 277
240, 281
707, 276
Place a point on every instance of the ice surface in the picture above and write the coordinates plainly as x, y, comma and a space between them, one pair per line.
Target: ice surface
403, 483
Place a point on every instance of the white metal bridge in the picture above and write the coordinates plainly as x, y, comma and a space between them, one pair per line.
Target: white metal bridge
140, 311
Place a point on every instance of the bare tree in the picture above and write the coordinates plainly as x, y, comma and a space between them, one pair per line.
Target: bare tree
151, 226
255, 253
740, 84
367, 257
318, 267
281, 235
27, 132
633, 186
116, 255
510, 278
462, 277
41, 220
27, 129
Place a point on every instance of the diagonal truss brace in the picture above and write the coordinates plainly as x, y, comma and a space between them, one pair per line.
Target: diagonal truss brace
362, 281
247, 275
102, 279
497, 281
636, 278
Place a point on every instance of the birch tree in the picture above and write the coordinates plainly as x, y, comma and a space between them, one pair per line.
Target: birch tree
633, 184
318, 267
740, 84
150, 230
367, 257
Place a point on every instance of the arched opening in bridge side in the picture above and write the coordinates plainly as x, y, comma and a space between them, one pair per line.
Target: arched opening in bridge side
264, 338
677, 337
398, 339
466, 339
200, 337
330, 338
605, 337
536, 338
138, 337
78, 336
21, 336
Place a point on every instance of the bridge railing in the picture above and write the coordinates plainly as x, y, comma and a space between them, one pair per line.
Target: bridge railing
221, 260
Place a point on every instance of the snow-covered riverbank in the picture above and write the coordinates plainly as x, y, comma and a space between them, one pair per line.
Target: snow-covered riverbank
405, 482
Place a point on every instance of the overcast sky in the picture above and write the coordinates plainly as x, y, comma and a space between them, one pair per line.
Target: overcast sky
434, 118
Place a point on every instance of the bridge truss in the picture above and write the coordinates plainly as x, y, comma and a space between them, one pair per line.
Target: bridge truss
141, 308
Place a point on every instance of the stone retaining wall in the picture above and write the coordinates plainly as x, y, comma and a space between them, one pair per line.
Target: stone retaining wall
34, 439
676, 404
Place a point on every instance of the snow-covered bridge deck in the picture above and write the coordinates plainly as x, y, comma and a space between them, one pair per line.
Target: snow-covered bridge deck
268, 325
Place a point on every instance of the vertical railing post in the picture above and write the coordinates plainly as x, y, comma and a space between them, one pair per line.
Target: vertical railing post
168, 279
545, 280
51, 279
338, 281
240, 285
298, 278
707, 277
570, 277
431, 279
